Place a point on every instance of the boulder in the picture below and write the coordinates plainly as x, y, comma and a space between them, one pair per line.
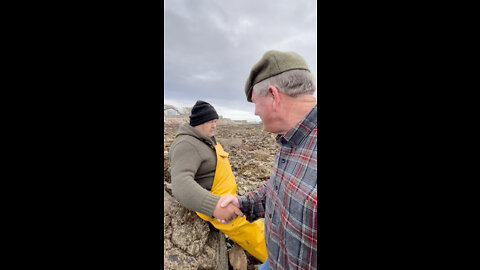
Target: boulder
189, 241
237, 258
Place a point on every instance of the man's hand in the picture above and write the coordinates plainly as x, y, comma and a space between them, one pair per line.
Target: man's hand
228, 201
226, 212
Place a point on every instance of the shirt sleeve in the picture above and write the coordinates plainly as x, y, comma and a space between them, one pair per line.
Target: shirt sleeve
253, 204
184, 163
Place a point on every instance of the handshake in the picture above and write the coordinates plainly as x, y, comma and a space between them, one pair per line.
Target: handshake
227, 209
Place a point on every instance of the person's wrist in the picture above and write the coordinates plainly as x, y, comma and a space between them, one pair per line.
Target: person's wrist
240, 200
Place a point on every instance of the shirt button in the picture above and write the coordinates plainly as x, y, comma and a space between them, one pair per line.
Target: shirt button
276, 187
283, 160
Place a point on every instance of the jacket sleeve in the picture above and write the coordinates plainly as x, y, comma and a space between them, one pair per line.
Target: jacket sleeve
252, 204
184, 163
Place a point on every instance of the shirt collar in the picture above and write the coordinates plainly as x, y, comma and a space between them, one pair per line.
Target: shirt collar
301, 130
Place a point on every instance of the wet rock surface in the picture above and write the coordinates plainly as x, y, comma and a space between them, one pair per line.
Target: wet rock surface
251, 155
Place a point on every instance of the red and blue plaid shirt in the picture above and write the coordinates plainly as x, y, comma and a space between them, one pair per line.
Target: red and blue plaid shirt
288, 201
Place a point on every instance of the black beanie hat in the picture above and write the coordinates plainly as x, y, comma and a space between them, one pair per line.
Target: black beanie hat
201, 113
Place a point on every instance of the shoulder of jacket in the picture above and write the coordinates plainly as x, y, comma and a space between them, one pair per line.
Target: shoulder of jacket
183, 140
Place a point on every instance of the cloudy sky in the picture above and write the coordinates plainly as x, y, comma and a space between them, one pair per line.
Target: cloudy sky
211, 45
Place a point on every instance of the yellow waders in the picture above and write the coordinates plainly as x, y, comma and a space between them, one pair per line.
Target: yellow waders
250, 236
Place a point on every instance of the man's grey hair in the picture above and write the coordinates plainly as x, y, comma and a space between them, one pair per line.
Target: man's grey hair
292, 83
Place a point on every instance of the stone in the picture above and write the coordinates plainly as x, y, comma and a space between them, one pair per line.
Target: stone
189, 241
237, 257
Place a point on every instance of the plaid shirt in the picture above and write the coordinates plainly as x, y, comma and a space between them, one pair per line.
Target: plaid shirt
288, 201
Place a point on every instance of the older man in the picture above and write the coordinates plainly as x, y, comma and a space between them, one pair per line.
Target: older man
282, 88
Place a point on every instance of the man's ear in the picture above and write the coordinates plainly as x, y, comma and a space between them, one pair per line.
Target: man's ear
276, 97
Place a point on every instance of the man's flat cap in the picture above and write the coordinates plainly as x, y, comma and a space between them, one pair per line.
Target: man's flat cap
271, 64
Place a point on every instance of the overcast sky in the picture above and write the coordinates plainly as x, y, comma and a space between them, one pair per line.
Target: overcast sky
211, 45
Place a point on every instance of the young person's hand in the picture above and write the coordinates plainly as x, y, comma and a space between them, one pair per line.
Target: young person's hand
225, 210
228, 201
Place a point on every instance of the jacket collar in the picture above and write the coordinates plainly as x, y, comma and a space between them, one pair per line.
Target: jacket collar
186, 129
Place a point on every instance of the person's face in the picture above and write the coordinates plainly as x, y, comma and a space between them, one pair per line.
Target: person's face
208, 128
263, 108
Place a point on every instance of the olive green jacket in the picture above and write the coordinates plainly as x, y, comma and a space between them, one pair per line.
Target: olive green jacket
192, 165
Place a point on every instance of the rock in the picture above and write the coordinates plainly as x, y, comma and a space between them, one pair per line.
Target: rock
168, 188
216, 248
238, 259
189, 241
176, 259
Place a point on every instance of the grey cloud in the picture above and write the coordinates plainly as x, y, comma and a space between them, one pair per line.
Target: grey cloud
210, 46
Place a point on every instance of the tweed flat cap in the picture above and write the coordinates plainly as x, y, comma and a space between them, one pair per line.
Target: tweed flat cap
271, 64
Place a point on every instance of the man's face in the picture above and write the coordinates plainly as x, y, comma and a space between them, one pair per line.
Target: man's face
207, 128
264, 108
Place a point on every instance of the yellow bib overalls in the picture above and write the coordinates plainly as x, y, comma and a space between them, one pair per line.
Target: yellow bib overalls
250, 236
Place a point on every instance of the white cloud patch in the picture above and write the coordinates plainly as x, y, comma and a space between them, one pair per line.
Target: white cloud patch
208, 76
236, 114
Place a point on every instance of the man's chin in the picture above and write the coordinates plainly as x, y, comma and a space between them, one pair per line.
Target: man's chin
272, 130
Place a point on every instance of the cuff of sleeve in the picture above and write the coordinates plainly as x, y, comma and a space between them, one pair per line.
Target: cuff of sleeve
242, 200
209, 204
